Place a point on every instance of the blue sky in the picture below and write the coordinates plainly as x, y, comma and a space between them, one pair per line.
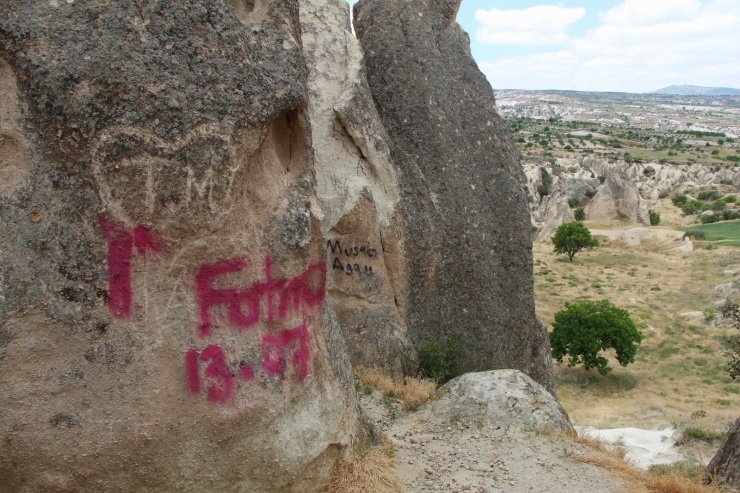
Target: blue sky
604, 45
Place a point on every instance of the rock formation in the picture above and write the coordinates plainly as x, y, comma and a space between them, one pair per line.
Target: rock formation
508, 398
162, 316
557, 212
468, 239
357, 191
618, 199
206, 220
724, 468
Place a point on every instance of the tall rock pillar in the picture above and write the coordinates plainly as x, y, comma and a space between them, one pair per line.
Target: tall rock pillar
468, 234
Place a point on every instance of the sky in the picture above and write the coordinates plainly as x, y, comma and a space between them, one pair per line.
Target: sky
604, 45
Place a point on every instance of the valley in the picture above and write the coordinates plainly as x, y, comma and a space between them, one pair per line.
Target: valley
658, 147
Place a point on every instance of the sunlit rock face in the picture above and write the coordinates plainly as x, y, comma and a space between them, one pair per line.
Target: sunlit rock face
357, 193
164, 323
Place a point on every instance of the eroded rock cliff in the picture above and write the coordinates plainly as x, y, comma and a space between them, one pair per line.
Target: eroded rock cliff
468, 235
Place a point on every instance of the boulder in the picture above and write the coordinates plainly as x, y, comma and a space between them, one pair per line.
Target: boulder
617, 198
163, 315
724, 468
507, 398
356, 190
463, 197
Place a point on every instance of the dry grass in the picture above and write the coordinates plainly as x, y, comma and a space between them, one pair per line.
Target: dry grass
412, 391
637, 480
371, 472
680, 370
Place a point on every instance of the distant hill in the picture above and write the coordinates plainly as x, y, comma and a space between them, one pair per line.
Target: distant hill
698, 91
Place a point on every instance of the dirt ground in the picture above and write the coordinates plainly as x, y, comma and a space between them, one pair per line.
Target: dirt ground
459, 456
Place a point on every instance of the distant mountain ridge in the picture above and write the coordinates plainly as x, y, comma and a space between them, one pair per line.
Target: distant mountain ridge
698, 91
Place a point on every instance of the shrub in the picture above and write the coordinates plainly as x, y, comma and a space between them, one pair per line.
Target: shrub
709, 218
580, 214
692, 207
700, 434
571, 238
654, 218
679, 200
441, 359
718, 205
730, 199
584, 328
709, 195
648, 171
574, 202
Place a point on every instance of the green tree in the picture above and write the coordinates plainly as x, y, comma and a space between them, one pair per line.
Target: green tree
584, 328
580, 214
571, 238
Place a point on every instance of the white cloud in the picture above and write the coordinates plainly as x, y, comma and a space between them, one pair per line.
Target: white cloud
641, 12
639, 46
540, 25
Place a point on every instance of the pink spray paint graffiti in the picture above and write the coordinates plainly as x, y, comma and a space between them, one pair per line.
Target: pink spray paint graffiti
282, 298
298, 295
274, 300
121, 243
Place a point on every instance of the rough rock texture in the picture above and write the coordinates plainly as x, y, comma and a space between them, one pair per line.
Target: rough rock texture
468, 240
357, 190
557, 212
162, 315
657, 239
618, 199
508, 398
724, 468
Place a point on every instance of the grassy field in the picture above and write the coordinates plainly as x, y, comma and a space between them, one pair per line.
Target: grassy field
680, 374
724, 233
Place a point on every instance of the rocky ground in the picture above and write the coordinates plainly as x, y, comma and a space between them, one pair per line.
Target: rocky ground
439, 449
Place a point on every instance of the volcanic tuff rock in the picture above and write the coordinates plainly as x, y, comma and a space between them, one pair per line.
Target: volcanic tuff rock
162, 323
200, 204
508, 398
357, 191
468, 240
724, 468
618, 198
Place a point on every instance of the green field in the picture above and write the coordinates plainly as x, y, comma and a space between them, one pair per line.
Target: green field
725, 233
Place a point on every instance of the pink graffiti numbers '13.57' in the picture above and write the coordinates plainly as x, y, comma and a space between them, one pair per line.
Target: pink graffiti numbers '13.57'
121, 243
276, 300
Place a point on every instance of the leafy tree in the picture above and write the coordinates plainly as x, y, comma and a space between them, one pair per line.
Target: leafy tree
584, 328
571, 238
654, 218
